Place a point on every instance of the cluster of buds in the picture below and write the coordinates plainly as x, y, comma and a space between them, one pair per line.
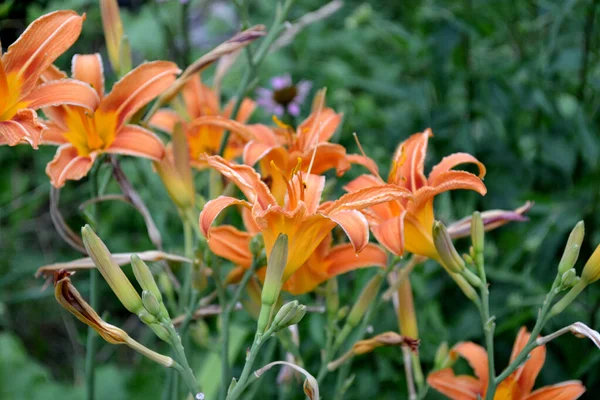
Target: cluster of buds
149, 307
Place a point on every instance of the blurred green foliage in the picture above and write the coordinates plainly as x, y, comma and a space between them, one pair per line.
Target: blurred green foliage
513, 82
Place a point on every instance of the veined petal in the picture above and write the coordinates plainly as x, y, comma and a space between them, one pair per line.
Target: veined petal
165, 120
409, 162
343, 258
356, 226
213, 208
477, 359
137, 88
528, 372
390, 234
452, 161
136, 141
569, 390
23, 127
368, 197
53, 135
52, 73
88, 68
232, 244
455, 387
445, 181
312, 186
318, 127
245, 178
265, 134
254, 151
384, 211
366, 162
43, 41
64, 91
327, 156
68, 165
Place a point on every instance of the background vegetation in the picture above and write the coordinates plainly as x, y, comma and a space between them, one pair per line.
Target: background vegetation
515, 83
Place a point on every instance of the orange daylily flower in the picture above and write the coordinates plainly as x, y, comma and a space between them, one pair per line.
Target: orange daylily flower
310, 142
82, 135
407, 223
301, 216
20, 69
323, 264
205, 122
518, 385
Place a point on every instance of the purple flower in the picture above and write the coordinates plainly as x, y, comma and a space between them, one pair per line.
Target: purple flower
285, 97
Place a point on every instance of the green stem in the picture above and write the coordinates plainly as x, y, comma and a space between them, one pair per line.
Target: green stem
254, 64
329, 353
543, 318
91, 339
183, 367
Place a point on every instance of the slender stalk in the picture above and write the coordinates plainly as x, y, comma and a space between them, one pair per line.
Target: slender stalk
254, 63
225, 318
185, 32
329, 353
487, 324
90, 351
183, 367
543, 318
410, 381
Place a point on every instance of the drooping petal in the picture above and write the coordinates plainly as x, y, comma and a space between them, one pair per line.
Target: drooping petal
137, 88
213, 208
446, 181
232, 244
133, 140
492, 219
455, 387
384, 211
366, 162
477, 359
390, 234
343, 258
42, 42
355, 225
199, 99
368, 197
454, 160
23, 127
68, 165
64, 91
569, 390
409, 162
165, 120
528, 372
88, 68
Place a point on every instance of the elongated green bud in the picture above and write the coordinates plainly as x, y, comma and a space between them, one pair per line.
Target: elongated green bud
275, 267
477, 232
151, 303
144, 277
571, 253
568, 279
257, 245
332, 298
289, 314
440, 355
111, 272
364, 300
591, 270
445, 248
125, 56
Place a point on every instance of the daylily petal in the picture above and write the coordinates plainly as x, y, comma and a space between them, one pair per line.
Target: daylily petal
88, 68
254, 151
569, 390
134, 140
42, 42
137, 88
214, 208
326, 157
64, 91
312, 186
368, 197
199, 98
409, 162
528, 372
452, 161
246, 109
53, 135
366, 162
222, 122
68, 165
165, 120
477, 358
390, 234
23, 127
232, 244
343, 258
356, 226
113, 29
384, 210
318, 127
455, 387
445, 181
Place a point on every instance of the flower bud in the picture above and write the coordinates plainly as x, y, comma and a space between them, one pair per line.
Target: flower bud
275, 267
571, 253
125, 56
440, 355
257, 245
146, 317
364, 300
568, 279
445, 248
111, 272
591, 270
290, 314
477, 233
144, 277
161, 332
151, 303
332, 298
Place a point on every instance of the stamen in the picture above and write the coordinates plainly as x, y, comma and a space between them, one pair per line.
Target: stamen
362, 151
